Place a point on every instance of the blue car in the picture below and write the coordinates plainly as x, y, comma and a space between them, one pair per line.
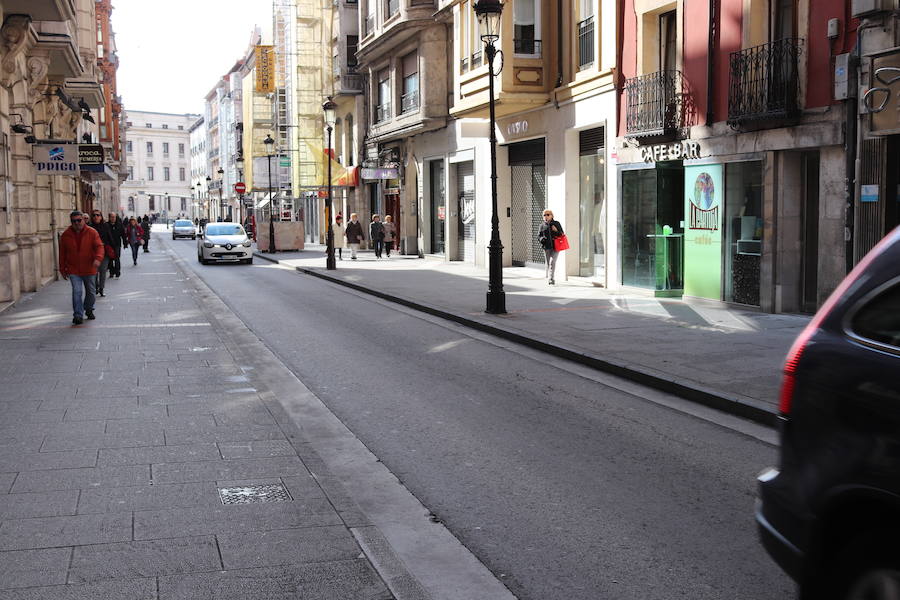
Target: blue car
829, 513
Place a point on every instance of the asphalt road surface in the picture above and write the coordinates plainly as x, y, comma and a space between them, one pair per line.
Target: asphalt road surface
565, 487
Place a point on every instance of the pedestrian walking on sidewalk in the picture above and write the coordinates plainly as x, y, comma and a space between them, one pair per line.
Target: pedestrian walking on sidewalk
390, 234
338, 231
103, 230
134, 234
117, 231
376, 234
145, 226
80, 253
354, 234
549, 229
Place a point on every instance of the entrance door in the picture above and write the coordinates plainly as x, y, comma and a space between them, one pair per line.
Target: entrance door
438, 207
465, 184
529, 199
810, 242
392, 207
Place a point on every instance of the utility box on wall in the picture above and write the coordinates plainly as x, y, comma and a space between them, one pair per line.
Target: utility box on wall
842, 76
861, 8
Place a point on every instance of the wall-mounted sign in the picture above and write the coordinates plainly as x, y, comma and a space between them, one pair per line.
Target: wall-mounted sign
530, 125
55, 159
90, 154
868, 193
265, 69
379, 173
677, 151
703, 191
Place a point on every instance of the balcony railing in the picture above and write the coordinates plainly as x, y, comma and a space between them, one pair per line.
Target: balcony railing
409, 101
526, 46
350, 82
764, 82
653, 104
382, 112
586, 42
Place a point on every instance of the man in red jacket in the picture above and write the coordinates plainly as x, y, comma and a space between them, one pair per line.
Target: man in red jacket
80, 253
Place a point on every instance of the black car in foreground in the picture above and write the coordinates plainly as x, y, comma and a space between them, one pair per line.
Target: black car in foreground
829, 514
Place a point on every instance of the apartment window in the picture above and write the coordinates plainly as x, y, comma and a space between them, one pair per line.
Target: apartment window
183, 204
149, 173
131, 204
152, 203
150, 148
165, 148
130, 172
352, 45
181, 128
166, 174
527, 27
165, 126
409, 101
149, 125
128, 146
383, 106
129, 124
370, 16
391, 8
181, 150
181, 173
585, 33
668, 42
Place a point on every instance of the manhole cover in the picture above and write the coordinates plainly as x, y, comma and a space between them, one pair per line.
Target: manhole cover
254, 493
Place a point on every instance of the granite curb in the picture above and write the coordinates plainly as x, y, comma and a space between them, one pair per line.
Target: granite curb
747, 408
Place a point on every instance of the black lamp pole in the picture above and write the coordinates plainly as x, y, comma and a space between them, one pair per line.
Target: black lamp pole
208, 207
329, 107
488, 13
270, 147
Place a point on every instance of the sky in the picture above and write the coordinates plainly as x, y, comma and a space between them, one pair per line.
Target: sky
172, 52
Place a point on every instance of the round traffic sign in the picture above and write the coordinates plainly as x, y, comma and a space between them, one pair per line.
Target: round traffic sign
240, 187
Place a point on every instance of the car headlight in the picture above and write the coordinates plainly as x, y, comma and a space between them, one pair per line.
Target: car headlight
246, 244
207, 244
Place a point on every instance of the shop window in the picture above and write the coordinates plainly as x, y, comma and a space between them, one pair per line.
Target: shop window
592, 204
743, 232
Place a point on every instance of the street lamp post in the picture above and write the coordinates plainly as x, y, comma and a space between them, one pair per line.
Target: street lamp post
270, 150
489, 13
239, 162
221, 173
208, 207
329, 107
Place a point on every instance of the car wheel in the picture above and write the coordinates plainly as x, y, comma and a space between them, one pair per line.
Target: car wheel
249, 261
875, 584
173, 237
201, 260
865, 568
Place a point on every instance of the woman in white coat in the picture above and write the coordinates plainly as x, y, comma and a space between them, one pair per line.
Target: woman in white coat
338, 230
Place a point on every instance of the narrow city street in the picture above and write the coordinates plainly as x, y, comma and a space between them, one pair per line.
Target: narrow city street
565, 483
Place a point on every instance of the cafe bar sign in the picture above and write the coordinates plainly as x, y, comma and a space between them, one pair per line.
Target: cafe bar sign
677, 151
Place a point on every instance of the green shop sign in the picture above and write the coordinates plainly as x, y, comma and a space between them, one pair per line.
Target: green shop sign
704, 191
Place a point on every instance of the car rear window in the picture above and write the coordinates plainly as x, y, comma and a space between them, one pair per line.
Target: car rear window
183, 223
224, 230
879, 319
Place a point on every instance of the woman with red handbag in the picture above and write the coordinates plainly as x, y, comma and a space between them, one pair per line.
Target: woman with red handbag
552, 240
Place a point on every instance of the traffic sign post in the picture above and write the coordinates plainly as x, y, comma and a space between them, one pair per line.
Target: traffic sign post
240, 187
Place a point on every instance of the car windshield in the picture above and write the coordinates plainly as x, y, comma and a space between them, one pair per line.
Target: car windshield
230, 229
183, 224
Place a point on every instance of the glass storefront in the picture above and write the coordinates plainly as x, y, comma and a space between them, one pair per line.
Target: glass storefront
652, 228
743, 232
592, 205
438, 210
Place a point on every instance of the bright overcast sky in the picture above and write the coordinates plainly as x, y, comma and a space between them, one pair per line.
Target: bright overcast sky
172, 52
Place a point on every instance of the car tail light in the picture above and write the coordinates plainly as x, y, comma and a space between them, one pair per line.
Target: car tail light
789, 382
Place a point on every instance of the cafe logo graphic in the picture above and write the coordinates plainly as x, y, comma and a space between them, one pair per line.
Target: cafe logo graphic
704, 212
57, 153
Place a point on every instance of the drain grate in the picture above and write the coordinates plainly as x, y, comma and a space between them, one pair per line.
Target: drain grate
254, 493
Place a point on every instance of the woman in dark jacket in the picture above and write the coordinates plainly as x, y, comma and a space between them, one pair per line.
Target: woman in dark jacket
117, 228
376, 234
550, 229
134, 234
354, 234
105, 232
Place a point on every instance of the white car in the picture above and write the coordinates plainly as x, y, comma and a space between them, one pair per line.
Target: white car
183, 228
225, 242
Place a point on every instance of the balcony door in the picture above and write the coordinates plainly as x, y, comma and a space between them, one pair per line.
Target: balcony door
783, 19
668, 41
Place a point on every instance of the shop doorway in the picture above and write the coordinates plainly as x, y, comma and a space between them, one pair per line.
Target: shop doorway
529, 199
465, 185
809, 265
592, 205
653, 228
438, 206
392, 207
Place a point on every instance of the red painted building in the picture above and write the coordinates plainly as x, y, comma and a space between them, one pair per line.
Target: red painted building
732, 149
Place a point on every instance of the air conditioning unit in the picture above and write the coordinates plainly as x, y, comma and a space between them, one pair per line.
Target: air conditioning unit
862, 8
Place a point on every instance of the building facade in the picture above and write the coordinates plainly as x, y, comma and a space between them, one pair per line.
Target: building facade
58, 77
199, 169
732, 151
158, 165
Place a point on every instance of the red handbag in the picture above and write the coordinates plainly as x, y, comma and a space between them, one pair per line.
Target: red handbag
561, 243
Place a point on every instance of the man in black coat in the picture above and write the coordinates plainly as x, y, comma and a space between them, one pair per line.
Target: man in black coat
145, 225
117, 232
105, 232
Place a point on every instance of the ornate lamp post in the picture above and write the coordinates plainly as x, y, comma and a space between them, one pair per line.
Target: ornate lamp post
270, 151
329, 107
489, 13
208, 207
239, 163
221, 173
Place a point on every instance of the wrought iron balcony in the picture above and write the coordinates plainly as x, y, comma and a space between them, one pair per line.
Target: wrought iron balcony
764, 82
653, 104
586, 42
350, 82
382, 112
409, 101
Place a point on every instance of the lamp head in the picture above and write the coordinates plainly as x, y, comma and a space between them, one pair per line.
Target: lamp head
330, 107
239, 159
270, 144
87, 117
221, 171
488, 13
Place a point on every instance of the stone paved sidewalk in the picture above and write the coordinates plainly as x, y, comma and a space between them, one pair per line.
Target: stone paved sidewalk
725, 357
120, 440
